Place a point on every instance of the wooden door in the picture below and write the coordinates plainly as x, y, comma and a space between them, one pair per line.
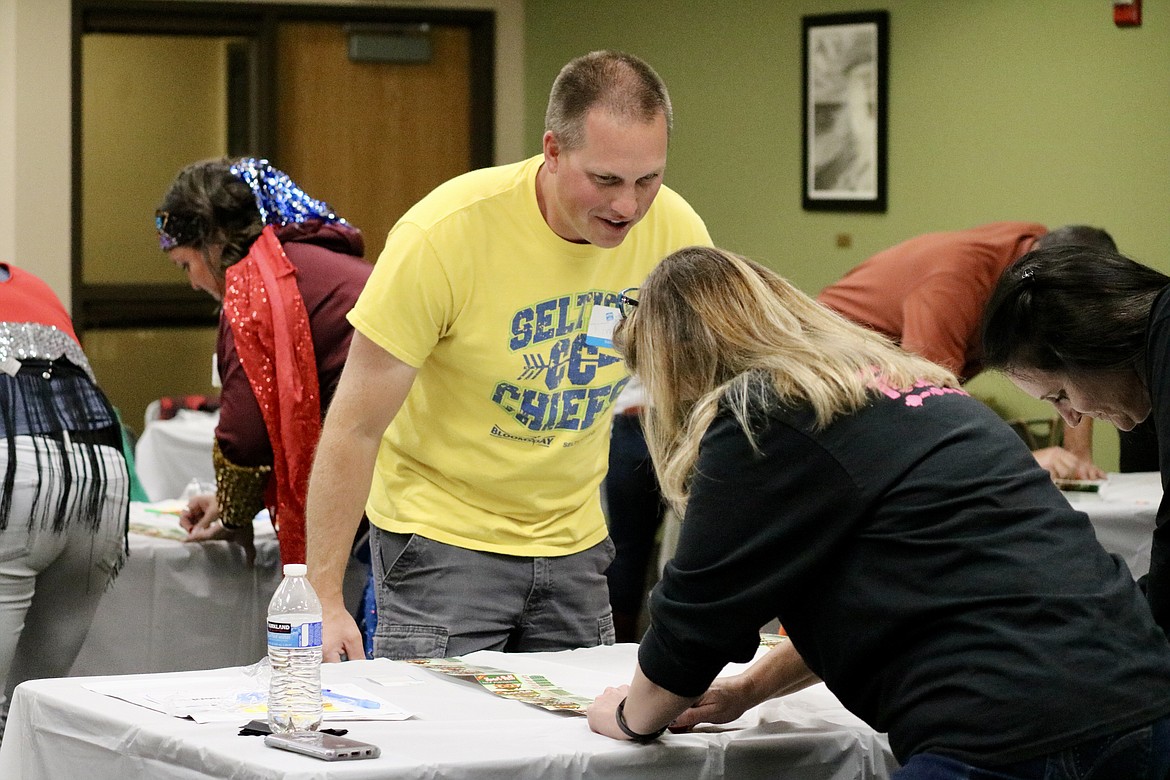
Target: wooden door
371, 138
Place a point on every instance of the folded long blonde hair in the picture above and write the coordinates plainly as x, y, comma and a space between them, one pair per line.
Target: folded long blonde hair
712, 326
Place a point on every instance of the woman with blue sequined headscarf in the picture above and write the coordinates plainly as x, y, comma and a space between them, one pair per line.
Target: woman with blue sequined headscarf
287, 269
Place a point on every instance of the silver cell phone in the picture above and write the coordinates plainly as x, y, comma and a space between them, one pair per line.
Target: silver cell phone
323, 746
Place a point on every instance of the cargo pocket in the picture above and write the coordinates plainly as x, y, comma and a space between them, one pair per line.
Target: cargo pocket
605, 631
401, 642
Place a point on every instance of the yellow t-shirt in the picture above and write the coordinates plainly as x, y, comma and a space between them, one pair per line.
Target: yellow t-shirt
503, 439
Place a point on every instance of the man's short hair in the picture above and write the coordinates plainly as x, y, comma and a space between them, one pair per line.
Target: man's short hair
1077, 235
622, 84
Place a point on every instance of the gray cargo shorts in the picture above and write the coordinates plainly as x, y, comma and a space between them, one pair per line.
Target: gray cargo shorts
436, 600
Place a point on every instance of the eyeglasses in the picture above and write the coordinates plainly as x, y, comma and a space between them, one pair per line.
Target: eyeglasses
175, 230
627, 302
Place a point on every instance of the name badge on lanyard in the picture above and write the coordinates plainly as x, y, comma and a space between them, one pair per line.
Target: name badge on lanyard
602, 321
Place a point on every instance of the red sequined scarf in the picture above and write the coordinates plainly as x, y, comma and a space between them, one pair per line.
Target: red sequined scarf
271, 328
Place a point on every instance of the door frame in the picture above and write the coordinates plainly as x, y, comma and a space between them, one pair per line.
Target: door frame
176, 305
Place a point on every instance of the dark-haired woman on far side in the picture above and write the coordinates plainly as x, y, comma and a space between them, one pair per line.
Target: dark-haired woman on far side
1089, 331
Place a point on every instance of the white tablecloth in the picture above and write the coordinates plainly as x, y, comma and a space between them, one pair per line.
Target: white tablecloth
1122, 513
58, 729
177, 606
172, 452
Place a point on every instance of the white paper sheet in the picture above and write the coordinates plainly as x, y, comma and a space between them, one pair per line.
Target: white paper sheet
238, 698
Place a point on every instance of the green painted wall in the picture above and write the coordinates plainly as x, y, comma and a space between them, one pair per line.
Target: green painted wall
999, 109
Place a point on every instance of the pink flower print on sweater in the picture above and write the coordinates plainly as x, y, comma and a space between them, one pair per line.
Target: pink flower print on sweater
916, 395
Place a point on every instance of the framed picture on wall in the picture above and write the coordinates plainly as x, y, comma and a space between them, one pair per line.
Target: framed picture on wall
845, 94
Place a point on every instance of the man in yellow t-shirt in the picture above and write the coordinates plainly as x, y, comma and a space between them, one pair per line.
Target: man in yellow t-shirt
474, 397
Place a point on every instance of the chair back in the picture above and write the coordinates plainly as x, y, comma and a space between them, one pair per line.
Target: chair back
1039, 432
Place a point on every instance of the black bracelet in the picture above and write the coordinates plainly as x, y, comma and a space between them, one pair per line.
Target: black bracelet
629, 732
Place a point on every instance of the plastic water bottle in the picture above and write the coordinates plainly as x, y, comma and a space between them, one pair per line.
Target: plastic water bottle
294, 652
194, 488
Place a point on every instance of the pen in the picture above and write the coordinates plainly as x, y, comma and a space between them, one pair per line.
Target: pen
366, 703
154, 511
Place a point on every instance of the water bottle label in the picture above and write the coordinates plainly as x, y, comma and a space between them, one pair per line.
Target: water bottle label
294, 635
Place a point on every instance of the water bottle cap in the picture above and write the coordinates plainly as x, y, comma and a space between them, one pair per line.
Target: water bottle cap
295, 570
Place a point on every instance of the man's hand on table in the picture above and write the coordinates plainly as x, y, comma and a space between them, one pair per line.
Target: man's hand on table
724, 701
779, 672
339, 633
1063, 464
201, 521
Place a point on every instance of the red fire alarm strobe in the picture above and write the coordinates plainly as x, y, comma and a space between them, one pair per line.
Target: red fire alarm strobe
1128, 14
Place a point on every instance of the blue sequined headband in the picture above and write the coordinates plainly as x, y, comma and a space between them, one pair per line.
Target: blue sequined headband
278, 197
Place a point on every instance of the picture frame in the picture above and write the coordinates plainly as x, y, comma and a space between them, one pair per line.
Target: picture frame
845, 94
